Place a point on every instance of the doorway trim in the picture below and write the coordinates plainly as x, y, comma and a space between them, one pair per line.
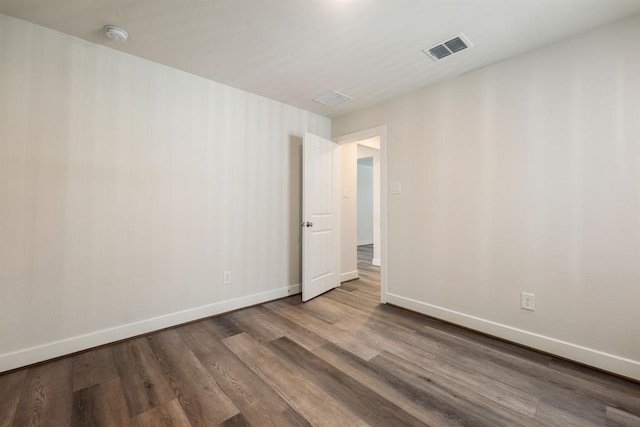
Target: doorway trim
381, 132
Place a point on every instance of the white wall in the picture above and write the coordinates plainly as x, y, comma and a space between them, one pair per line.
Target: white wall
365, 201
524, 176
127, 188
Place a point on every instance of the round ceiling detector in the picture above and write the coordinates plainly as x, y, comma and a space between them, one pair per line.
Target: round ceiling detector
116, 33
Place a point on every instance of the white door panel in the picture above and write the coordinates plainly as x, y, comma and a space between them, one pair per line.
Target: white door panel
321, 216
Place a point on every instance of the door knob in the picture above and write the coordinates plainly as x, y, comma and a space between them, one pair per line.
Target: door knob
307, 224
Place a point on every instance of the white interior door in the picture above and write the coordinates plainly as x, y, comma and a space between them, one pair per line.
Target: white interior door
320, 216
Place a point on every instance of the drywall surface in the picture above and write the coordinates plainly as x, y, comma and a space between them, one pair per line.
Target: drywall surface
127, 188
365, 202
523, 176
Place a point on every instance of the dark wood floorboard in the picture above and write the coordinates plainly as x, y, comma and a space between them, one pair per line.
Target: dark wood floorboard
362, 400
342, 359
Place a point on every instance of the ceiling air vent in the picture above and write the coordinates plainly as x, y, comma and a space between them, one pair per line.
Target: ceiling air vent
449, 47
332, 99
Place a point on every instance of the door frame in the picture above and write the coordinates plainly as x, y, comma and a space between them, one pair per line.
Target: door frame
381, 132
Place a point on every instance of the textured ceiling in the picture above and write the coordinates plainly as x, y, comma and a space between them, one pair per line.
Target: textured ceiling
296, 50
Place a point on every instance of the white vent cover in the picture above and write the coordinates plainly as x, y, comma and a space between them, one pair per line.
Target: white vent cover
449, 47
332, 99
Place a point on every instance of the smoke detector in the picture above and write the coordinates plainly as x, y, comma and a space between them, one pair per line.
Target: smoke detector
116, 33
449, 47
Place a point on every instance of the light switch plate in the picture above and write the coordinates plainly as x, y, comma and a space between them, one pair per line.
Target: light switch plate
396, 188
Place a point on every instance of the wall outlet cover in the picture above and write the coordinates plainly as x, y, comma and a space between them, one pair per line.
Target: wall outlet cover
528, 301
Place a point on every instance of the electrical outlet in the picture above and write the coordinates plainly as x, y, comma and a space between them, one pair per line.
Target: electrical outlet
528, 301
226, 277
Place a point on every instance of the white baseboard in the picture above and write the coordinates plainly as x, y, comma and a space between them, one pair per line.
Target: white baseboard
70, 345
376, 262
588, 356
351, 275
365, 242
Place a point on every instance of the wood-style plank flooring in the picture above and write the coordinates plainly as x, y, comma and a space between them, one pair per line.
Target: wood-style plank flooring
341, 359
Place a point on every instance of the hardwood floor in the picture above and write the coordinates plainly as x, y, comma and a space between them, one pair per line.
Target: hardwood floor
341, 359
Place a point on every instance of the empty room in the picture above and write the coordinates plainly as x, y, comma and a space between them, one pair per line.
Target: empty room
319, 213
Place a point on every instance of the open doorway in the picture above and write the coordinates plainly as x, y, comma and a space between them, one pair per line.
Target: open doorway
368, 198
368, 209
363, 209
